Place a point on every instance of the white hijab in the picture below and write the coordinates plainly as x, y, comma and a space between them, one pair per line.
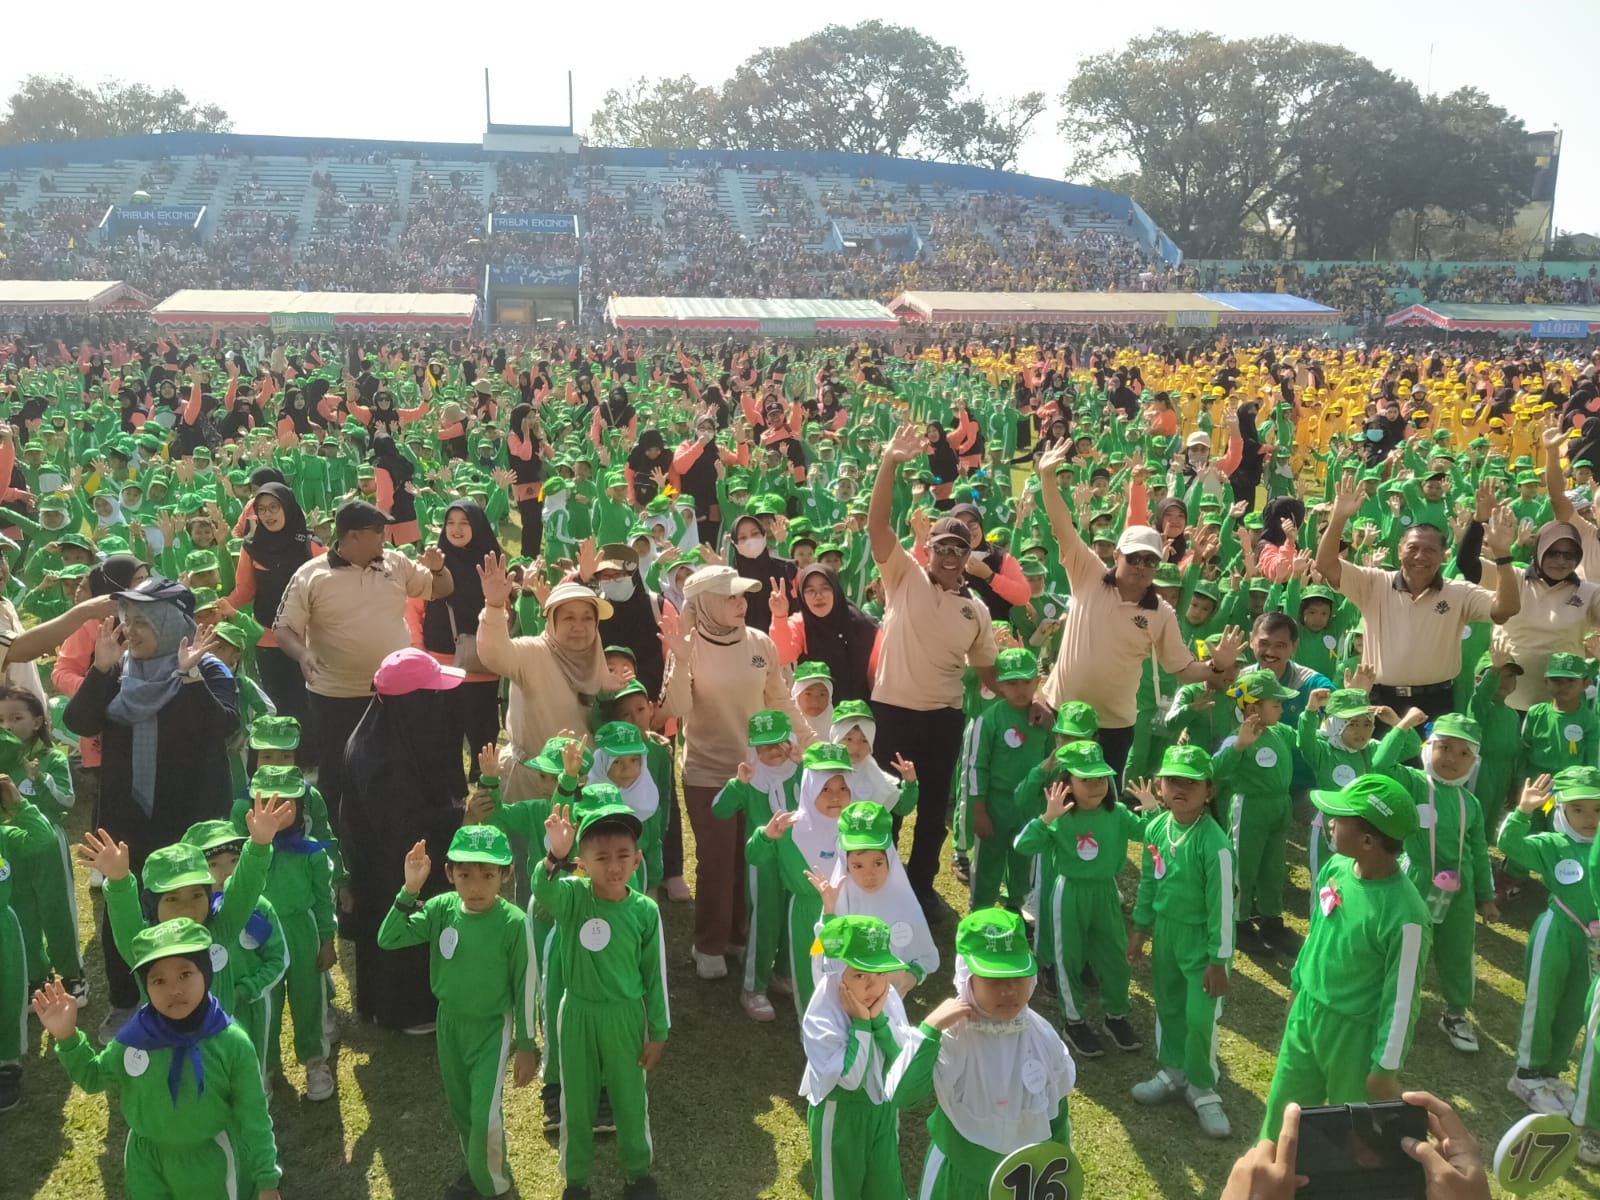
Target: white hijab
895, 904
825, 1032
1000, 1082
772, 780
643, 797
816, 836
869, 781
1559, 820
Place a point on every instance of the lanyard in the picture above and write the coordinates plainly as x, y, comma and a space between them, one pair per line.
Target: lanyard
1433, 830
1591, 929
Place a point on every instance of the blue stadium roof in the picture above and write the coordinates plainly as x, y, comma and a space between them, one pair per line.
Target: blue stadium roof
1266, 302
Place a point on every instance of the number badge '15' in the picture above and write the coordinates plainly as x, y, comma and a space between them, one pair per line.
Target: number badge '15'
1043, 1171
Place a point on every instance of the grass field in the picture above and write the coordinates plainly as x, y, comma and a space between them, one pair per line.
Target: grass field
726, 1121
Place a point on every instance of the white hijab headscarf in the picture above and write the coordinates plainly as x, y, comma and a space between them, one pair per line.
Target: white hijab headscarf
1562, 825
771, 781
643, 797
823, 721
816, 836
1000, 1082
825, 1031
869, 781
896, 905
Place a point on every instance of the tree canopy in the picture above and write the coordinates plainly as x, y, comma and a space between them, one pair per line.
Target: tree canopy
56, 109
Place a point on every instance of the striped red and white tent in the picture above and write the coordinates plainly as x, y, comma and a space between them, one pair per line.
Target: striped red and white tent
776, 318
315, 312
69, 297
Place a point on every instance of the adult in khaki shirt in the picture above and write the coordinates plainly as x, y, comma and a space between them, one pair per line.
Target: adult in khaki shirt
1115, 622
342, 614
933, 627
1414, 617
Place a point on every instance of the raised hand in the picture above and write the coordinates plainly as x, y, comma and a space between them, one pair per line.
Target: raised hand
559, 831
56, 1009
778, 600
1144, 791
190, 653
1250, 732
1319, 696
907, 770
1057, 801
780, 821
907, 443
492, 577
826, 888
418, 867
268, 817
588, 559
108, 645
1347, 500
100, 851
572, 758
1228, 646
489, 762
1500, 532
1362, 678
1535, 795
431, 559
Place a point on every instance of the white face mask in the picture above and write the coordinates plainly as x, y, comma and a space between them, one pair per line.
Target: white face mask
617, 590
751, 547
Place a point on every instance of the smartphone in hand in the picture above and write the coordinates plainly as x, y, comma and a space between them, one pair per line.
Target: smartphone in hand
1354, 1151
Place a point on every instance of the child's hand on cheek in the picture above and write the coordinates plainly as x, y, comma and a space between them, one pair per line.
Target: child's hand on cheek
418, 867
949, 1012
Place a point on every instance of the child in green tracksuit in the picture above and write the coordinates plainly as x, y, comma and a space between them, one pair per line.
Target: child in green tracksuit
1563, 731
1357, 986
853, 1030
300, 890
26, 833
1002, 746
614, 1017
768, 783
1338, 750
1501, 727
1562, 943
478, 969
1082, 840
260, 948
185, 1075
1185, 900
999, 1071
619, 759
1447, 858
1255, 770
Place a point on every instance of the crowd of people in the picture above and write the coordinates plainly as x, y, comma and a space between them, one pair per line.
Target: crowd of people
436, 659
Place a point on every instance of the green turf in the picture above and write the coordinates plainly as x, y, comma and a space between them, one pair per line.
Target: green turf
726, 1121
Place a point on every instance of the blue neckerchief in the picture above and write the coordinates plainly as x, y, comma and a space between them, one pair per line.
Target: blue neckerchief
149, 1030
256, 924
295, 841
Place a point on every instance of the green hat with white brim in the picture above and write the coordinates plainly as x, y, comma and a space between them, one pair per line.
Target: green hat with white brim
1379, 800
861, 942
993, 942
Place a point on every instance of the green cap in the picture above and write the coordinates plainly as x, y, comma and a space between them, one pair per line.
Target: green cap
829, 757
1458, 725
603, 804
1260, 685
71, 570
275, 733
1209, 590
548, 760
1318, 591
1379, 800
632, 688
174, 867
199, 560
860, 941
1348, 702
480, 843
1167, 576
619, 738
852, 710
73, 539
1083, 759
1016, 664
170, 939
208, 836
1567, 666
1185, 762
1076, 719
769, 727
287, 782
1032, 568
205, 599
1576, 783
865, 825
994, 944
807, 673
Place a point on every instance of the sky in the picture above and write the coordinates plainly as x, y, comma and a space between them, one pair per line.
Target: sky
416, 72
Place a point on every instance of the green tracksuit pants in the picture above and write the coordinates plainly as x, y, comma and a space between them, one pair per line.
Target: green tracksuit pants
1453, 949
472, 1067
764, 902
995, 862
855, 1149
207, 1170
800, 928
1259, 825
47, 907
1085, 926
954, 1169
1586, 1104
600, 1046
13, 988
551, 986
1557, 975
1323, 1058
1186, 1018
305, 990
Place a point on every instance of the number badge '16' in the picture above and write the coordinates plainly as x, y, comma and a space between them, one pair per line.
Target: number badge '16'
1043, 1171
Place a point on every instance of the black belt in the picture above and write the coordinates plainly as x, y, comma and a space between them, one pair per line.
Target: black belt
1415, 689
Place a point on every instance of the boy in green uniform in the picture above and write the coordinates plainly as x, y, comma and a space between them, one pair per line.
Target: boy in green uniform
1003, 745
1337, 751
1564, 730
25, 833
186, 1076
478, 969
1357, 985
614, 1017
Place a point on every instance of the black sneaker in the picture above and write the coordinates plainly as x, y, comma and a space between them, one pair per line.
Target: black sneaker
1246, 939
78, 988
1090, 981
551, 1095
10, 1087
961, 868
604, 1122
462, 1189
1083, 1040
1278, 937
1121, 1032
643, 1188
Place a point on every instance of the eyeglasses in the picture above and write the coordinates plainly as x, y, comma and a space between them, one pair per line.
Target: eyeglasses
1148, 561
950, 549
1564, 555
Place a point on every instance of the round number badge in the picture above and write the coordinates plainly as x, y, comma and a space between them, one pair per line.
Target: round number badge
1535, 1152
1043, 1171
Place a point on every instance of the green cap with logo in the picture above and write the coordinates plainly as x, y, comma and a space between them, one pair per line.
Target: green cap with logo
287, 782
602, 805
174, 867
852, 710
274, 733
769, 727
211, 836
1379, 800
993, 942
169, 939
1076, 719
1032, 568
1254, 686
1185, 762
480, 844
865, 825
1575, 783
1567, 666
619, 739
1016, 664
549, 762
1348, 702
861, 942
1083, 759
1459, 725
829, 757
812, 672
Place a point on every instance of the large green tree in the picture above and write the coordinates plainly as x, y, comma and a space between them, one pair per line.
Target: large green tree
54, 108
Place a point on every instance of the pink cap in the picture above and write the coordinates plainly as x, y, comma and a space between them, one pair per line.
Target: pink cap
413, 670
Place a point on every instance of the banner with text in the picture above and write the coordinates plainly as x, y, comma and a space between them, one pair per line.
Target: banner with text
527, 276
1559, 329
159, 214
301, 322
532, 222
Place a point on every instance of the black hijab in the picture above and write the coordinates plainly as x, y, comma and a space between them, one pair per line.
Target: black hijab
113, 574
763, 568
466, 602
633, 623
942, 459
843, 639
1273, 513
277, 556
644, 488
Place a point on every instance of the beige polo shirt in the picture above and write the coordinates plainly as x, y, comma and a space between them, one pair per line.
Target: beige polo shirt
930, 634
1105, 641
351, 618
1412, 641
1552, 620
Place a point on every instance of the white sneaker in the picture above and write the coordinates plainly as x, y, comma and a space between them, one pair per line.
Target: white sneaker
330, 1025
780, 985
1164, 1085
1564, 1092
1459, 1031
1589, 1148
319, 1080
422, 1029
1207, 1106
1537, 1093
709, 966
757, 1005
96, 880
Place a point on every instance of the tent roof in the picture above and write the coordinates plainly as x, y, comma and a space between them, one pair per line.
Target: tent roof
51, 297
1495, 318
1175, 309
783, 317
222, 307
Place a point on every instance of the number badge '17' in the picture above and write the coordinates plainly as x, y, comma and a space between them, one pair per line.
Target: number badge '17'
1535, 1152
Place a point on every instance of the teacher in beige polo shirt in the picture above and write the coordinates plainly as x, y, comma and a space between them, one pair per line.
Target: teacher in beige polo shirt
933, 627
1115, 622
1414, 617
